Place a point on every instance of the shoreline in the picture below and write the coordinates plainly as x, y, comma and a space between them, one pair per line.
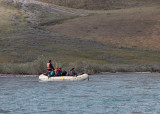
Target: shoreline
17, 75
101, 73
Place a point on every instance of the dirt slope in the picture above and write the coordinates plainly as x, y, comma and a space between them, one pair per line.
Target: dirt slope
103, 4
132, 28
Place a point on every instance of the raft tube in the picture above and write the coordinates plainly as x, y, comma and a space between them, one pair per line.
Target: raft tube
82, 77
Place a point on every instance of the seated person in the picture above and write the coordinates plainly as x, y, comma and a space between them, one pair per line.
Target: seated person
56, 72
52, 73
72, 72
60, 71
64, 73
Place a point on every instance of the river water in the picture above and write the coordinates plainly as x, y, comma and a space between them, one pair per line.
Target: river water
120, 93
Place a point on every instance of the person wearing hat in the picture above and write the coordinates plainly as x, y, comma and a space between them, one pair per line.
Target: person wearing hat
60, 71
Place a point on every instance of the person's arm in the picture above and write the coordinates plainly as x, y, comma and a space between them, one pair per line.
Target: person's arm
52, 66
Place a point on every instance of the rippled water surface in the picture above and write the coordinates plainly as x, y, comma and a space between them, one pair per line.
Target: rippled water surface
110, 93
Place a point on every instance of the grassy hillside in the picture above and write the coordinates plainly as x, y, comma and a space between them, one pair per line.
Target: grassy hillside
102, 4
132, 28
67, 35
10, 19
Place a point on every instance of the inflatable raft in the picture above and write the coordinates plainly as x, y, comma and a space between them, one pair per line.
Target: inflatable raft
43, 77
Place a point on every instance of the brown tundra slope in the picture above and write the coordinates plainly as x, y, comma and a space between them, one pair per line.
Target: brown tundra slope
132, 28
123, 23
103, 4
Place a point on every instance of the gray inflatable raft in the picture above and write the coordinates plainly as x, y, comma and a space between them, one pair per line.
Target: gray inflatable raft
43, 77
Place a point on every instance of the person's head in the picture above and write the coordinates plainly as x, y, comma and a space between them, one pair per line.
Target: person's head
50, 61
72, 68
60, 68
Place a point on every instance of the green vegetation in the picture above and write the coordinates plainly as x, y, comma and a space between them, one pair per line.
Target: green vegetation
39, 66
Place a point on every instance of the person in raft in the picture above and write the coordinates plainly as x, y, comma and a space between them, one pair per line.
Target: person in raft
60, 71
50, 67
72, 72
57, 72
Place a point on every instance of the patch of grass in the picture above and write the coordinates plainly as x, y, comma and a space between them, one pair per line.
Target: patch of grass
35, 67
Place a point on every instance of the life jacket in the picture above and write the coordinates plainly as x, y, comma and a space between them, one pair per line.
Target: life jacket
56, 72
70, 73
49, 66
